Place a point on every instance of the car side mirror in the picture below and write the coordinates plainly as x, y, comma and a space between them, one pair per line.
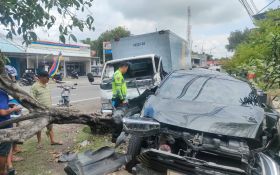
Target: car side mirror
90, 77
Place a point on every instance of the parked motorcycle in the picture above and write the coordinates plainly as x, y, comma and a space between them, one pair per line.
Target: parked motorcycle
27, 79
74, 75
57, 78
65, 95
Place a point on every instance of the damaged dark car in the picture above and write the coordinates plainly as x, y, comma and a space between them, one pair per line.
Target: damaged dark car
203, 122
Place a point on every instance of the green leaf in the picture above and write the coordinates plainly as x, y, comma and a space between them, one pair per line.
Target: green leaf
19, 30
62, 38
60, 28
53, 19
13, 30
33, 36
49, 25
47, 16
9, 35
65, 32
73, 37
59, 10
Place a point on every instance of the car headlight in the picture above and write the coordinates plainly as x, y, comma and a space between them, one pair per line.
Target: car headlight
141, 126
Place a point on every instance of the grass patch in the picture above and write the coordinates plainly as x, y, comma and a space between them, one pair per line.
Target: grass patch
95, 141
41, 161
36, 161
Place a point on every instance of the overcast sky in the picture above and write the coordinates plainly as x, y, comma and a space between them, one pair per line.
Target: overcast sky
212, 20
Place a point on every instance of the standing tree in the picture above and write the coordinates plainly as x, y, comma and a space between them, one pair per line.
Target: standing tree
21, 17
109, 35
237, 37
261, 53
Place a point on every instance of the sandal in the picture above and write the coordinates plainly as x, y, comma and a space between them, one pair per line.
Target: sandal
11, 171
56, 143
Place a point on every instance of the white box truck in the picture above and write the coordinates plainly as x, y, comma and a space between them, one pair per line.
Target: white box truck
150, 56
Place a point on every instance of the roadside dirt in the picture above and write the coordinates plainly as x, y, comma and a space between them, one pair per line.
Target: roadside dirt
44, 161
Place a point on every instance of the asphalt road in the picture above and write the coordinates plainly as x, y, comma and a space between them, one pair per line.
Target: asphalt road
85, 97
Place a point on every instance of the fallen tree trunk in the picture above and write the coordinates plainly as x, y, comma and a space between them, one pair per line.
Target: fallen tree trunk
39, 116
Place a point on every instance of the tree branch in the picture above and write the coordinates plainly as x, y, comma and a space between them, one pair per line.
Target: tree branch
23, 132
23, 97
40, 116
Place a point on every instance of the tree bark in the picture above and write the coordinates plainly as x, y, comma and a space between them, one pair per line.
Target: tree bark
39, 116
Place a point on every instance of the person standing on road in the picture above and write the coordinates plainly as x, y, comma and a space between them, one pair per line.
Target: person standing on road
41, 92
119, 86
6, 148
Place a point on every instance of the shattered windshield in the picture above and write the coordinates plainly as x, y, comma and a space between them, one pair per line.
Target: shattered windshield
205, 89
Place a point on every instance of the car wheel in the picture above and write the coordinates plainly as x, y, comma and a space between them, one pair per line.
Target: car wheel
133, 149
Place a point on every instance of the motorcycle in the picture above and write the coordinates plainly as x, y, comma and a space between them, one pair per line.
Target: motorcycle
74, 75
57, 78
65, 95
27, 79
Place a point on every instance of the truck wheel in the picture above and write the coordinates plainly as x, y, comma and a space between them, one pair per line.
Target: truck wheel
133, 149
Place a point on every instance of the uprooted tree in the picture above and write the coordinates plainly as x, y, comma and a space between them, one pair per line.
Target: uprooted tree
39, 116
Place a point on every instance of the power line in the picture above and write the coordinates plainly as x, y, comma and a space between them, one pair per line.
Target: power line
247, 8
266, 6
254, 5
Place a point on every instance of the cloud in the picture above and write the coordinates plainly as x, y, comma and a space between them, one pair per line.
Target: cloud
212, 20
203, 11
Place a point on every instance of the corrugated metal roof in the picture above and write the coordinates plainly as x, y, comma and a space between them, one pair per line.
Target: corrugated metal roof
7, 45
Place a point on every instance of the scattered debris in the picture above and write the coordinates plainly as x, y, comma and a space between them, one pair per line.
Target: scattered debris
67, 157
84, 143
95, 163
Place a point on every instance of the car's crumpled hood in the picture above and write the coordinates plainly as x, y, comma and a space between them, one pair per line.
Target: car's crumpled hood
236, 121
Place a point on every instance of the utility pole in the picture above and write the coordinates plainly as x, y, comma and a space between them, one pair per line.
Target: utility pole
189, 43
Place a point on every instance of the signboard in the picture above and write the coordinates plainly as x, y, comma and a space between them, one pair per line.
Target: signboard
139, 44
107, 45
108, 51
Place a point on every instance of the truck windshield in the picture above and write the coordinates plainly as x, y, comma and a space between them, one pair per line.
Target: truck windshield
138, 69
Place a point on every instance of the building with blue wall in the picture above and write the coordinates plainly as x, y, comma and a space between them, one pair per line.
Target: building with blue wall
40, 55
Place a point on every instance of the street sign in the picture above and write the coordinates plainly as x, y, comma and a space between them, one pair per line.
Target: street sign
108, 51
107, 45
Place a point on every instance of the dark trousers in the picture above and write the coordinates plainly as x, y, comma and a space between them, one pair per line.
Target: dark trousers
116, 102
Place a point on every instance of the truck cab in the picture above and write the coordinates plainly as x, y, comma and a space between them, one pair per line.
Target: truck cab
144, 71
